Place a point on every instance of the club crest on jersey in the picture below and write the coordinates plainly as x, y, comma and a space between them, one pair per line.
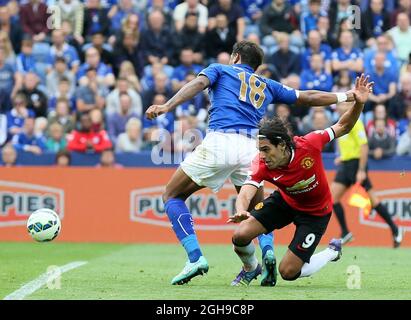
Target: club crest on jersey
258, 206
307, 162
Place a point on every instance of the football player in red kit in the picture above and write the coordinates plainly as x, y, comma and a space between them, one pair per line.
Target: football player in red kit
295, 166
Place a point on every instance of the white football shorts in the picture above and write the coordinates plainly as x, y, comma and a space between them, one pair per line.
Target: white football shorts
221, 156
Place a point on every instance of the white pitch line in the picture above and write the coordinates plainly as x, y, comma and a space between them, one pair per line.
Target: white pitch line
37, 283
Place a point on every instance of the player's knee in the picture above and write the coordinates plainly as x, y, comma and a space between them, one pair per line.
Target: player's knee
240, 238
289, 272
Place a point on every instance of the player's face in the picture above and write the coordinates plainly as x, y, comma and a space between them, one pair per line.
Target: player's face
273, 156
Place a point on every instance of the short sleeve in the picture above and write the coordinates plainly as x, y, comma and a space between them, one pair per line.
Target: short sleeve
283, 93
359, 133
212, 72
256, 174
319, 138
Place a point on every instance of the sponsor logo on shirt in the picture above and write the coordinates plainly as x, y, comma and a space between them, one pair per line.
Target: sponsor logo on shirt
303, 186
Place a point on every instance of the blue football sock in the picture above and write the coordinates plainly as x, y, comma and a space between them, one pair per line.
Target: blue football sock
182, 222
266, 242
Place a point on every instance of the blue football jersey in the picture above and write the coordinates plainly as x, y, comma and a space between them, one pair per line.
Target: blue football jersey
239, 97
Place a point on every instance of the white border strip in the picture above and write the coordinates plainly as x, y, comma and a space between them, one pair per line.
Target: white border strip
37, 283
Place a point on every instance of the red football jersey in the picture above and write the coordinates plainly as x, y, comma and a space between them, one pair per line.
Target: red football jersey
303, 183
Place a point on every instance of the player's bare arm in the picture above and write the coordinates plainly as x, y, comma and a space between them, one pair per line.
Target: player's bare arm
348, 119
322, 98
242, 203
187, 92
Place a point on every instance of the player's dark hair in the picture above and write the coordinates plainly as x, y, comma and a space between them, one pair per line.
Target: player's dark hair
276, 131
250, 53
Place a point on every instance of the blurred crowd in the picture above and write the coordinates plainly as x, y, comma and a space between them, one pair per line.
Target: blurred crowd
78, 76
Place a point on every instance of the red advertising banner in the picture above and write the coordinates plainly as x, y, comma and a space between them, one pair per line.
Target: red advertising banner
124, 205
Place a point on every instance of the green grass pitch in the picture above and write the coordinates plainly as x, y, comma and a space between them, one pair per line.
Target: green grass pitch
144, 271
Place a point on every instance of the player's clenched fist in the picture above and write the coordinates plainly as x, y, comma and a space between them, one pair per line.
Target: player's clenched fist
239, 216
155, 110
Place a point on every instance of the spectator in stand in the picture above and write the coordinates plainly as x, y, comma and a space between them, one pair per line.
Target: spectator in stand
191, 7
72, 11
402, 99
3, 129
374, 22
130, 140
61, 49
90, 94
17, 115
63, 92
385, 83
113, 104
86, 140
156, 40
27, 141
130, 24
108, 160
317, 115
234, 13
95, 20
128, 72
381, 143
190, 37
347, 57
404, 143
9, 155
405, 121
278, 16
160, 87
58, 73
11, 28
62, 116
283, 112
63, 159
116, 122
33, 18
317, 77
104, 72
404, 6
120, 12
221, 38
339, 10
98, 41
128, 50
316, 47
323, 27
40, 126
223, 58
253, 10
9, 82
25, 61
284, 60
56, 140
36, 99
321, 121
380, 113
5, 44
383, 44
185, 67
401, 35
309, 20
165, 7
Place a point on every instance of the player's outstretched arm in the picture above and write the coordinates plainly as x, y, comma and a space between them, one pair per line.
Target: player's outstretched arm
188, 91
242, 203
347, 121
321, 98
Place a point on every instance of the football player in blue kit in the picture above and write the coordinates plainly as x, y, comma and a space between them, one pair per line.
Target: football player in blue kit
239, 99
